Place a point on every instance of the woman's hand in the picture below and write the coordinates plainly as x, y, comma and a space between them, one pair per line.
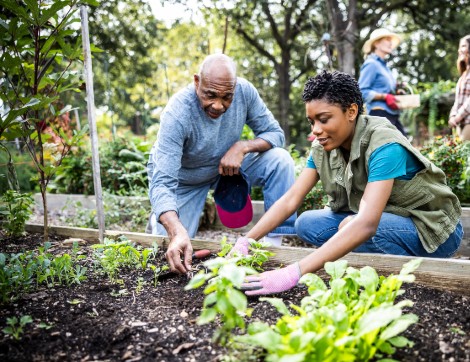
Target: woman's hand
273, 281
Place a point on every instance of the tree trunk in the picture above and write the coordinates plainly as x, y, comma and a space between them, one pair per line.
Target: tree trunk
44, 205
284, 90
344, 29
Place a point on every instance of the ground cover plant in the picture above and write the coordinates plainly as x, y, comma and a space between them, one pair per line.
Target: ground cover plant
355, 320
93, 321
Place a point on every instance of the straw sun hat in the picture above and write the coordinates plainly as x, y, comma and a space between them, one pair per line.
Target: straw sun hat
378, 34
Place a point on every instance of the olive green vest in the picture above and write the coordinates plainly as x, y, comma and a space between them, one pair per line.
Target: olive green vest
430, 203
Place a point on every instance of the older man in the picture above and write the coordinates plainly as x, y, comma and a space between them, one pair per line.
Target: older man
199, 141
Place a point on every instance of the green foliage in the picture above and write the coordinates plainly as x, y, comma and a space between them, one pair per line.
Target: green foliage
15, 326
451, 156
223, 296
128, 76
316, 199
121, 213
24, 169
436, 102
22, 272
255, 259
354, 319
123, 163
15, 209
112, 256
40, 47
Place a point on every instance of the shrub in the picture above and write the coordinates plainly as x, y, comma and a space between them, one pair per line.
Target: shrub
16, 208
451, 156
123, 164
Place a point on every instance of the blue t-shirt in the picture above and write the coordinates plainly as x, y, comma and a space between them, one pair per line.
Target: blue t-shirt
389, 161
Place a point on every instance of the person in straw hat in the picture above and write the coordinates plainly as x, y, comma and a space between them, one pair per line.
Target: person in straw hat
376, 81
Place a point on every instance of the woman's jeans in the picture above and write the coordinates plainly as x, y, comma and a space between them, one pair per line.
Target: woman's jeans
273, 170
395, 234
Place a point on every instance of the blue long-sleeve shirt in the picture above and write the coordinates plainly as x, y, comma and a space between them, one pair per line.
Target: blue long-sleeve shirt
375, 77
190, 144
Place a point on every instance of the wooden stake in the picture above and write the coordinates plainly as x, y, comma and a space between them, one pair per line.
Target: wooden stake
92, 121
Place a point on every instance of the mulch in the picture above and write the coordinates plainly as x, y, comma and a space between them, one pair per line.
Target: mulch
94, 321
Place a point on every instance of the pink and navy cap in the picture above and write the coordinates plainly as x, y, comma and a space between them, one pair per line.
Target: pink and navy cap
233, 202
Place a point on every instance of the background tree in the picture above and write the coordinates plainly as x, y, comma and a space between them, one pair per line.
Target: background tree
40, 49
124, 72
281, 32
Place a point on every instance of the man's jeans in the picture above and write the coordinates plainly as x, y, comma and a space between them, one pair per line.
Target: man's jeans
395, 234
273, 170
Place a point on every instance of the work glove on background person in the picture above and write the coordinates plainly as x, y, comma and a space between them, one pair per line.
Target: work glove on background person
391, 101
240, 247
274, 281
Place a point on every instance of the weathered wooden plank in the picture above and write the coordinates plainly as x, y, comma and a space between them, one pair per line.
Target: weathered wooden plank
444, 274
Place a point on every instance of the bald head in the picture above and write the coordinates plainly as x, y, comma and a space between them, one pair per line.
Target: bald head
219, 65
215, 84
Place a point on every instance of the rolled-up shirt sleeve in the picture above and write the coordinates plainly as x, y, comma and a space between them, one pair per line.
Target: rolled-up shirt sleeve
261, 120
164, 165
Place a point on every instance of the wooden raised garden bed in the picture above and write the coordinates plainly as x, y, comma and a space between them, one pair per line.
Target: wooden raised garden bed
99, 320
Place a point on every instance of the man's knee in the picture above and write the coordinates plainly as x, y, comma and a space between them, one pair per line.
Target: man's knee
280, 158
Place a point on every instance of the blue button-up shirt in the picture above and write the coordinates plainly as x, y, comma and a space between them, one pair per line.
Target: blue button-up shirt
375, 77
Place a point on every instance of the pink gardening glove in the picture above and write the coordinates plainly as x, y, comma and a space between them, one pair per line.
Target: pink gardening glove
240, 247
274, 281
391, 101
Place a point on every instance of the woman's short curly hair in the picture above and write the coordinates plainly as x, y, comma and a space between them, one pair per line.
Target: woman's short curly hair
335, 88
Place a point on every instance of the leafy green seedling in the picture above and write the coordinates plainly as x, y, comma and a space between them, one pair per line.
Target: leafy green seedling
255, 259
15, 326
223, 297
112, 256
157, 271
44, 325
355, 318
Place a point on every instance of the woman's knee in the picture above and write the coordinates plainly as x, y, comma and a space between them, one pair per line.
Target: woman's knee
310, 226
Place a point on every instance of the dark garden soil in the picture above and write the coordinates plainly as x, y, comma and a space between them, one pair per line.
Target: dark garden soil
159, 323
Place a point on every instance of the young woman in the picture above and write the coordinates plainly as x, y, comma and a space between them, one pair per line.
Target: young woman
377, 83
384, 196
460, 112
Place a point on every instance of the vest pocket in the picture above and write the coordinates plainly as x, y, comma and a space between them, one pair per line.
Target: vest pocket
409, 194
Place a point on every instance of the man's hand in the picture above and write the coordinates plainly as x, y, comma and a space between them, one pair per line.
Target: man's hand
240, 247
180, 246
180, 243
232, 160
274, 281
391, 101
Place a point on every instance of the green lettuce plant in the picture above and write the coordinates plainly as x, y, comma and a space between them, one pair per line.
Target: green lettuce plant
111, 256
354, 319
255, 259
223, 297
